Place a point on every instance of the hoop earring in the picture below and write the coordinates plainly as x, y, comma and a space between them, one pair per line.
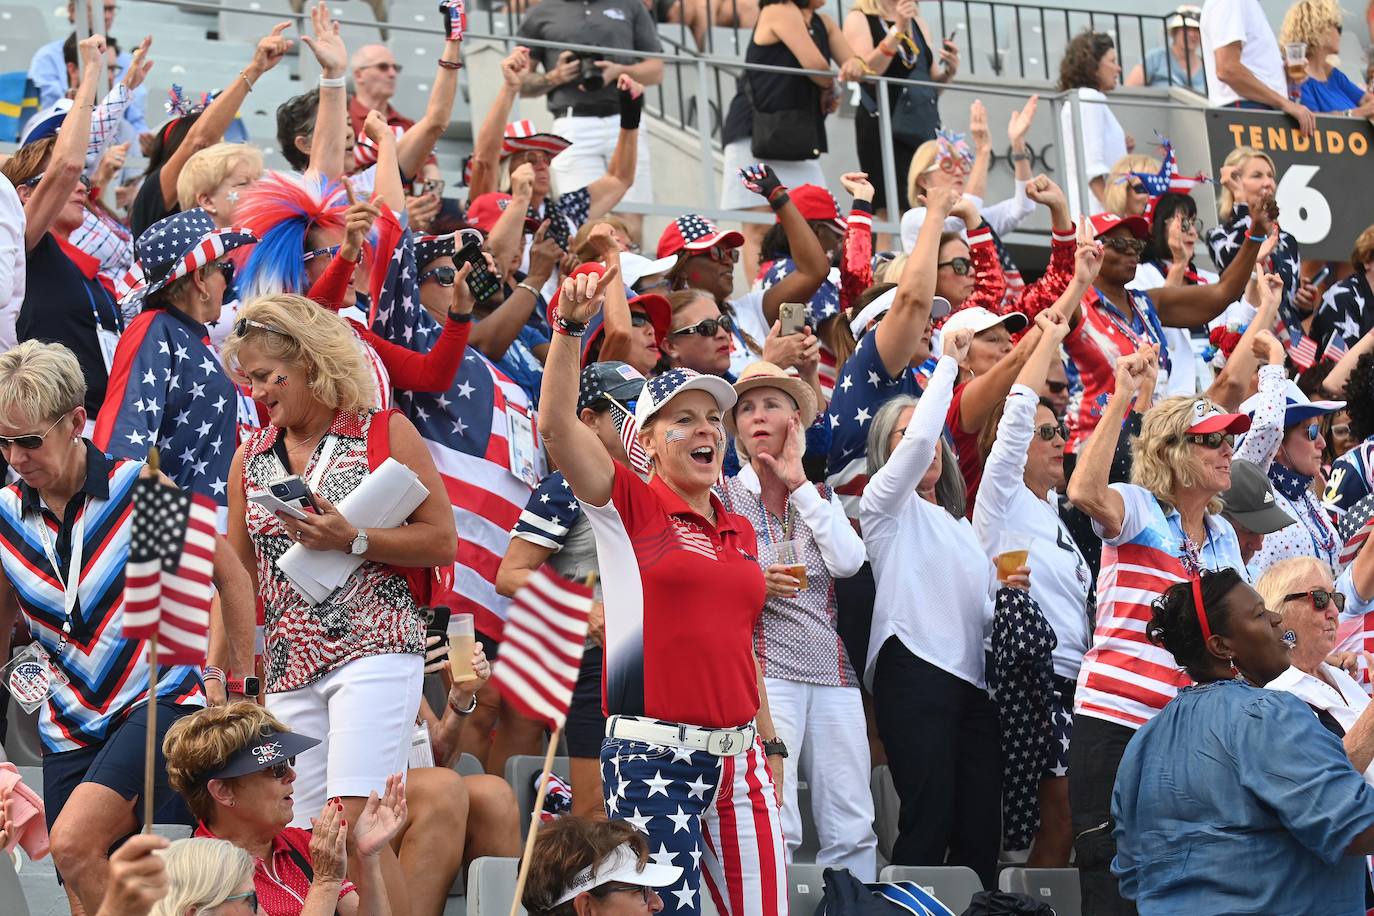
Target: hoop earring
204, 297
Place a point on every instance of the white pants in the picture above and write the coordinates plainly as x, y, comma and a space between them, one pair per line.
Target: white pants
364, 714
593, 143
827, 743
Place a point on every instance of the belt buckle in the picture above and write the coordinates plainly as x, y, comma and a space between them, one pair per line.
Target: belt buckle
725, 742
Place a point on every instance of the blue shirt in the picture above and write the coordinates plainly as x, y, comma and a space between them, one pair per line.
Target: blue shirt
520, 363
49, 73
1237, 800
1160, 70
1335, 93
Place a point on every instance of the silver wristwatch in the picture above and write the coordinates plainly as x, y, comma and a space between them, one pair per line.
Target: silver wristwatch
359, 545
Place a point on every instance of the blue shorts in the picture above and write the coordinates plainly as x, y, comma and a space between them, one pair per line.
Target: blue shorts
117, 762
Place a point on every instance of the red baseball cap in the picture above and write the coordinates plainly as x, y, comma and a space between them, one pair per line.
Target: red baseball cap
486, 209
594, 268
695, 234
817, 203
1208, 418
1103, 223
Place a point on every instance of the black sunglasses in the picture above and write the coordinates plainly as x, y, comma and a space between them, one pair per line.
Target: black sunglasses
444, 276
1125, 246
279, 770
1321, 598
1048, 431
33, 182
243, 324
638, 319
1057, 387
961, 266
29, 443
707, 327
226, 270
606, 890
1210, 440
1139, 188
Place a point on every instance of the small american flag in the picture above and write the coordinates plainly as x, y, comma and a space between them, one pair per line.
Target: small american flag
167, 587
1355, 527
1303, 351
1335, 347
629, 437
541, 648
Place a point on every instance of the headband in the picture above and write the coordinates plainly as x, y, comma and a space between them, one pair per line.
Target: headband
1201, 611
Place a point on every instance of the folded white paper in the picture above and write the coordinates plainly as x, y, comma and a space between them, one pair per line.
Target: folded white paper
384, 499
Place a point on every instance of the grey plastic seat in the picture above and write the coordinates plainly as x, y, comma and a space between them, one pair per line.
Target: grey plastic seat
1056, 886
520, 772
805, 888
491, 886
952, 885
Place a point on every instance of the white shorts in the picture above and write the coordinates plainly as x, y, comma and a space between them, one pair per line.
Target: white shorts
593, 143
363, 714
735, 196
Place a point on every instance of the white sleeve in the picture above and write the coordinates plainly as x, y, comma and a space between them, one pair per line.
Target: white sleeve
1004, 470
1138, 508
839, 543
1224, 22
888, 489
12, 261
1261, 443
1096, 117
1006, 216
911, 227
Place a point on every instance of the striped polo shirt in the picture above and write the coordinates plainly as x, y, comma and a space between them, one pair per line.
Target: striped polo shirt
107, 674
1125, 678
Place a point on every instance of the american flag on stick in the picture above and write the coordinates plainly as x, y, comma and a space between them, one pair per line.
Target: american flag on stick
541, 648
1335, 347
1303, 351
629, 437
167, 582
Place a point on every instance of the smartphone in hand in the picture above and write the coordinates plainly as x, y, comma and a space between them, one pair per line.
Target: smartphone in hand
791, 318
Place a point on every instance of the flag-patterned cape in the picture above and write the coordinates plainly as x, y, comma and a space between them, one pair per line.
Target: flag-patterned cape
466, 429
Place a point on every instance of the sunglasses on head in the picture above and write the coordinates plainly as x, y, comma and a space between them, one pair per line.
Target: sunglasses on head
249, 897
1321, 598
1210, 440
1048, 431
961, 266
1125, 246
707, 327
243, 324
29, 443
320, 253
444, 276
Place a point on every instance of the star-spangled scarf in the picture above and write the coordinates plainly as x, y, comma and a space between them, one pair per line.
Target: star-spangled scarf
1288, 481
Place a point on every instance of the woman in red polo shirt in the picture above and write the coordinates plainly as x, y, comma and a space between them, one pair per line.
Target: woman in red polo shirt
682, 760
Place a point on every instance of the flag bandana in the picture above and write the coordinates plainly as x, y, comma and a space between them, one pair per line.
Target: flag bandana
1167, 180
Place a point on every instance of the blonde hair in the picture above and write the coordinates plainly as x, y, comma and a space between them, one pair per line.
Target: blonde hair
1163, 461
584, 250
305, 335
1282, 579
207, 169
921, 161
1363, 252
42, 380
1114, 194
202, 872
204, 741
1308, 20
891, 272
1234, 162
869, 7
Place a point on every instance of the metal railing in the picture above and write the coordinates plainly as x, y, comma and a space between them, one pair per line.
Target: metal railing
707, 76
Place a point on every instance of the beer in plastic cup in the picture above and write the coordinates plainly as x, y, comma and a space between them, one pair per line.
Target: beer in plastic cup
1013, 551
461, 637
1295, 61
788, 554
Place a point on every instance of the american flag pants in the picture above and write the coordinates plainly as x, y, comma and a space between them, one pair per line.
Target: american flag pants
710, 815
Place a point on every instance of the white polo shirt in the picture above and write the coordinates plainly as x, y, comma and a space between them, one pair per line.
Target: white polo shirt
1225, 22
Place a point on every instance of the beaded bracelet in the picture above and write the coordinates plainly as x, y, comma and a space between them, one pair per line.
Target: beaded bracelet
567, 328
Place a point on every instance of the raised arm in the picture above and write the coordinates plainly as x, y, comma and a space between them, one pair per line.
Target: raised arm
807, 254
331, 116
977, 183
856, 266
215, 120
607, 191
1190, 306
1261, 443
486, 146
417, 143
1089, 488
1232, 383
576, 450
1340, 374
388, 188
67, 160
899, 334
895, 481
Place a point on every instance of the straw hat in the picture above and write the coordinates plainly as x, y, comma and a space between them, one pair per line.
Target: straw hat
763, 374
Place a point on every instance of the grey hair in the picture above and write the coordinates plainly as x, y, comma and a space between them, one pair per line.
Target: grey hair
202, 872
1282, 579
950, 489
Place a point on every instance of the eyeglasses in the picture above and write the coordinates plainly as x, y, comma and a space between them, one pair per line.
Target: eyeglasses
961, 266
1125, 246
1048, 431
1192, 223
1321, 598
1340, 429
320, 253
646, 894
243, 324
250, 898
1057, 387
384, 65
1210, 440
720, 254
707, 327
279, 770
953, 165
29, 443
444, 276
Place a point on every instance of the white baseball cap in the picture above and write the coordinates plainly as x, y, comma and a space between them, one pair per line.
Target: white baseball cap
635, 267
939, 308
978, 319
621, 866
663, 388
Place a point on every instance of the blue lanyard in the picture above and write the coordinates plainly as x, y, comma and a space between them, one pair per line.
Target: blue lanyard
95, 309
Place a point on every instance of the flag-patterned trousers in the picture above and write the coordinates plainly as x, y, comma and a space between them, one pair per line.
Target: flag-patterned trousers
716, 816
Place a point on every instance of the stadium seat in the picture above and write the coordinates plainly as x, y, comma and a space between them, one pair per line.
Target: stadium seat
468, 765
491, 886
12, 899
886, 807
805, 888
520, 772
952, 885
1056, 886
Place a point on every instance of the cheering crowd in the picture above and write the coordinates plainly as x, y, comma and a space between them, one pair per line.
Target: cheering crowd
1078, 555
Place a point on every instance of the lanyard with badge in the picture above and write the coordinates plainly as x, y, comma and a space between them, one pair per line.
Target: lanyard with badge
107, 338
32, 676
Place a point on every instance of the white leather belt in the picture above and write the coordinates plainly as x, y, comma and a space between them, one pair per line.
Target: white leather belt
721, 742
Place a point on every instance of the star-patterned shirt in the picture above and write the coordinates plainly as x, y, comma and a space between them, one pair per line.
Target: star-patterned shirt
1224, 241
1351, 479
167, 389
1345, 310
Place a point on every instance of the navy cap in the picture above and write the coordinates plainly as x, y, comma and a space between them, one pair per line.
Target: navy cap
614, 379
268, 749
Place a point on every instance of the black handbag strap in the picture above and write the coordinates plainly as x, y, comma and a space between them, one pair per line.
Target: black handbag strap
301, 861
